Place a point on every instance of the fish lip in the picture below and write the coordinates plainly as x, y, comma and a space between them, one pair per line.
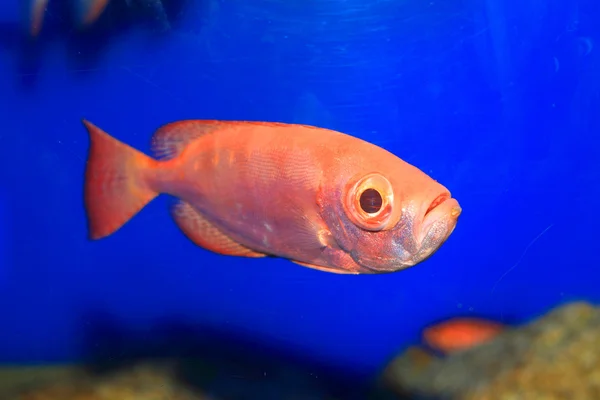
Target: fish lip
447, 211
444, 215
437, 226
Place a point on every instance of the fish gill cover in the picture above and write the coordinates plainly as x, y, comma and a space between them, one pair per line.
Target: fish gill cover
498, 101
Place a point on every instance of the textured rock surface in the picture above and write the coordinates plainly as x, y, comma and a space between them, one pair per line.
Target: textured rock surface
147, 381
554, 357
190, 379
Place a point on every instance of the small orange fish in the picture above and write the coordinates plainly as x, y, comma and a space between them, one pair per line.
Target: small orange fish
460, 334
320, 198
37, 11
88, 12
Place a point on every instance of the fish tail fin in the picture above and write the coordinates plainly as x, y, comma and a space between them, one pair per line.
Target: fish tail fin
116, 182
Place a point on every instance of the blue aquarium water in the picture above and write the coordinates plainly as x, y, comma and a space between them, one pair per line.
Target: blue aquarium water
498, 101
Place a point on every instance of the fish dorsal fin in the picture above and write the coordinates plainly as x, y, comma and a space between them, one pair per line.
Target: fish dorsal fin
171, 139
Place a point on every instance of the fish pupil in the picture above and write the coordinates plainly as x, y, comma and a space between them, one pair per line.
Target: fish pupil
371, 201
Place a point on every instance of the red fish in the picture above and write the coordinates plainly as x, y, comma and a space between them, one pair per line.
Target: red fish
460, 334
320, 198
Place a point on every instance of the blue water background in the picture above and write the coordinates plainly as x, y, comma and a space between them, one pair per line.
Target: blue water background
499, 101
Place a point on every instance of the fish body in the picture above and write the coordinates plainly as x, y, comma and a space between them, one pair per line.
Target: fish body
320, 198
460, 334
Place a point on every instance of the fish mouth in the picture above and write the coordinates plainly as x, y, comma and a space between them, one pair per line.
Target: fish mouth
438, 224
409, 250
396, 260
443, 207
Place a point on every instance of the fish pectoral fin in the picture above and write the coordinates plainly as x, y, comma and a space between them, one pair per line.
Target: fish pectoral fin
171, 139
325, 269
206, 235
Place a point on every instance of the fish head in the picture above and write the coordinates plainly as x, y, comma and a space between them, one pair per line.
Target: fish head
390, 216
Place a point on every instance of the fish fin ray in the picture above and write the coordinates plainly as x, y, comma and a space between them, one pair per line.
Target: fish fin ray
170, 140
204, 234
311, 233
115, 188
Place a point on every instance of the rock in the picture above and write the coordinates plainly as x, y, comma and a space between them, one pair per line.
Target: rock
554, 357
144, 381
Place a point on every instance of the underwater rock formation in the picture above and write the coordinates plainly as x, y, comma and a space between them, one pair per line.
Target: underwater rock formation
144, 381
162, 379
554, 357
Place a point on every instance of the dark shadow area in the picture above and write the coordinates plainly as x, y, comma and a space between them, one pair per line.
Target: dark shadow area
221, 363
86, 44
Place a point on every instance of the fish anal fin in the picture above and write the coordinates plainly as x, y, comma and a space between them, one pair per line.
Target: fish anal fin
206, 235
171, 139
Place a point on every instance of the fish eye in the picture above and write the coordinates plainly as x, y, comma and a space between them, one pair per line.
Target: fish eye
369, 202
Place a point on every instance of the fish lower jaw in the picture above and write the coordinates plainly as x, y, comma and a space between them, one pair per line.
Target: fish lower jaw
387, 267
435, 232
433, 239
423, 255
445, 213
